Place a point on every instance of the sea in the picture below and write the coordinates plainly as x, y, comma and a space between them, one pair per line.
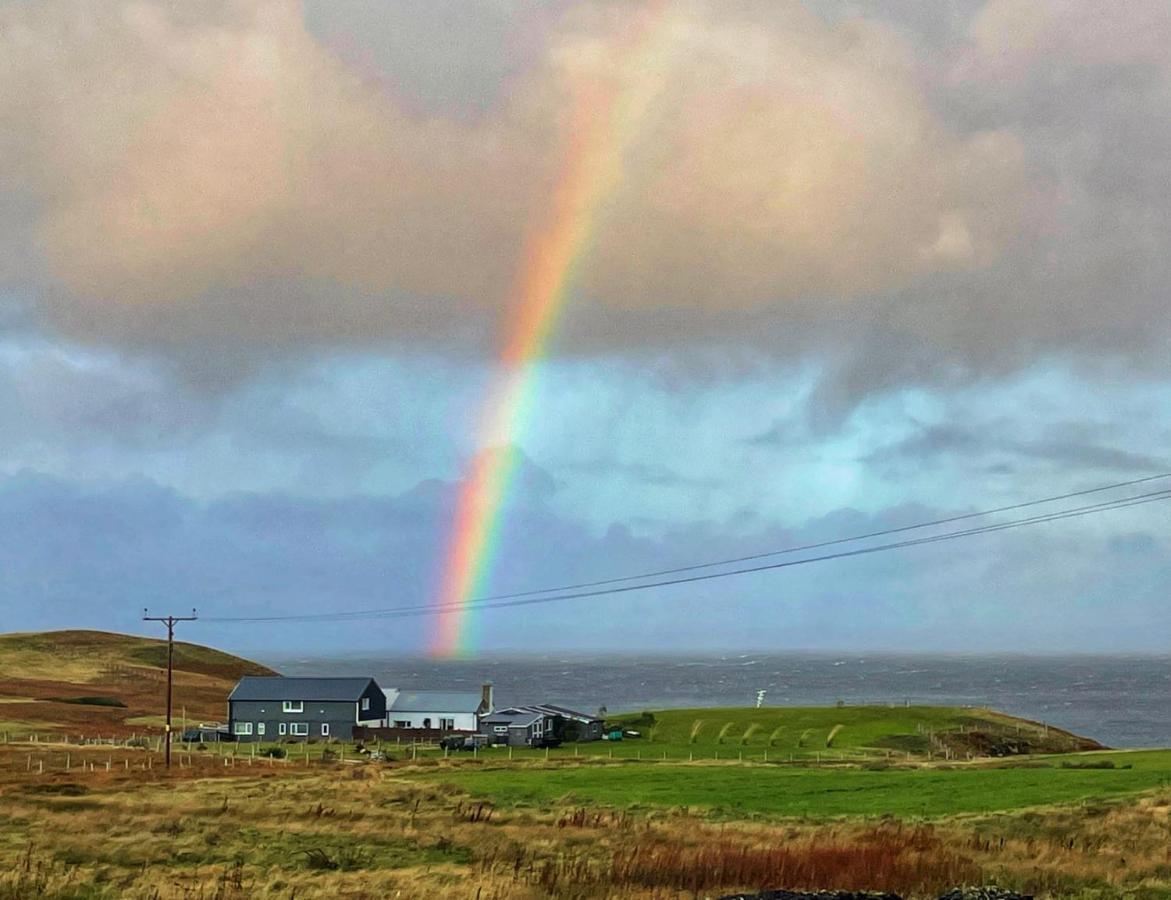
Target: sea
1121, 701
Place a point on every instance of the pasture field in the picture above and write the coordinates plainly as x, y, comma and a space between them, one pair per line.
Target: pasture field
374, 830
820, 792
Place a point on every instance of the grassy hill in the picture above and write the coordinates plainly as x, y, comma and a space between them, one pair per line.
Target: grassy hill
96, 682
942, 731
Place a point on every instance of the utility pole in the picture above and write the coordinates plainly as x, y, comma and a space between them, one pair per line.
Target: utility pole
169, 621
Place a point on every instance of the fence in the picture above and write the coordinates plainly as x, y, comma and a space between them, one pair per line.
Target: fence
405, 735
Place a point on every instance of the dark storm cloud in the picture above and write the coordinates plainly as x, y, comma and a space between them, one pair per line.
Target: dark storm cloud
917, 195
76, 556
234, 180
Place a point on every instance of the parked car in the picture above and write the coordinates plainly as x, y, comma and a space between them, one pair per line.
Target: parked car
468, 742
206, 735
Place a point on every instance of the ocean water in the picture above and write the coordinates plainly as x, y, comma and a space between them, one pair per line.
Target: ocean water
1122, 701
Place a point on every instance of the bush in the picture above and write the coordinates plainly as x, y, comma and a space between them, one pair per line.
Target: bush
274, 753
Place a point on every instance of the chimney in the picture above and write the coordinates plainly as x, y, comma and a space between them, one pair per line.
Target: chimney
486, 700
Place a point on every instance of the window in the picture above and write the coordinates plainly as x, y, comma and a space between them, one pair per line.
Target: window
402, 723
260, 728
299, 729
243, 728
447, 724
325, 729
294, 706
365, 704
426, 723
284, 728
501, 729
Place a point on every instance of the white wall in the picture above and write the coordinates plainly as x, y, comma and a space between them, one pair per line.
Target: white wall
463, 721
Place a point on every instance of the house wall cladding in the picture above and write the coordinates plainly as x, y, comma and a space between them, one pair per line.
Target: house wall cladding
274, 708
267, 716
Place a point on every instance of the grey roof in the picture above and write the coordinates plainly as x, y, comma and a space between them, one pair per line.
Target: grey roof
514, 717
435, 701
278, 687
565, 712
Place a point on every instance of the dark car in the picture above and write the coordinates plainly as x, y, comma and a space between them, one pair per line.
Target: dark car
468, 742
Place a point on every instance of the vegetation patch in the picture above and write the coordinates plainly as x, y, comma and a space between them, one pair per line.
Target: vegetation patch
90, 701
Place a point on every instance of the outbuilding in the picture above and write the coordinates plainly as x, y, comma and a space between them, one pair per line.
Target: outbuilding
517, 727
571, 725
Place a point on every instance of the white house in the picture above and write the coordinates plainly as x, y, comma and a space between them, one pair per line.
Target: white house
437, 710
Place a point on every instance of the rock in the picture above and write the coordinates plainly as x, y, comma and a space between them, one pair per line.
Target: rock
983, 893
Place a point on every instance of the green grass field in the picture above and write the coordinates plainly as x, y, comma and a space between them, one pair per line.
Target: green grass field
806, 731
825, 791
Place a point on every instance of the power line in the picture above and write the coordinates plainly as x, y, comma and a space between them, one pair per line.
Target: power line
821, 544
523, 600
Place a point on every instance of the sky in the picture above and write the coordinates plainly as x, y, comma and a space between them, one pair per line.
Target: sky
858, 265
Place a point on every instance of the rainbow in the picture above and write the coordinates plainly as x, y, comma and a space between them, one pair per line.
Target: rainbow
602, 119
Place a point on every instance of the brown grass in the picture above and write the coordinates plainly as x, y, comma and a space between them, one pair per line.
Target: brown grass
364, 830
40, 667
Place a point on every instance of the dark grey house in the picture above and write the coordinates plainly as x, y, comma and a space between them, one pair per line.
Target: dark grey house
520, 726
274, 708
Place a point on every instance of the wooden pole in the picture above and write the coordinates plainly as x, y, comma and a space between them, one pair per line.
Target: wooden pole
170, 621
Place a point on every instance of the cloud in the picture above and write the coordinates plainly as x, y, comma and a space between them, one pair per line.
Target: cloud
216, 177
77, 556
1069, 445
1009, 38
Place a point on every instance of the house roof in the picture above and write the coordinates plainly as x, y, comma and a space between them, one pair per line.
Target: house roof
278, 687
514, 717
565, 712
433, 701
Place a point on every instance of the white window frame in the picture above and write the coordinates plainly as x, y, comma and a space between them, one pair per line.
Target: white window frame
365, 704
325, 729
242, 728
299, 729
500, 729
260, 729
284, 728
293, 706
